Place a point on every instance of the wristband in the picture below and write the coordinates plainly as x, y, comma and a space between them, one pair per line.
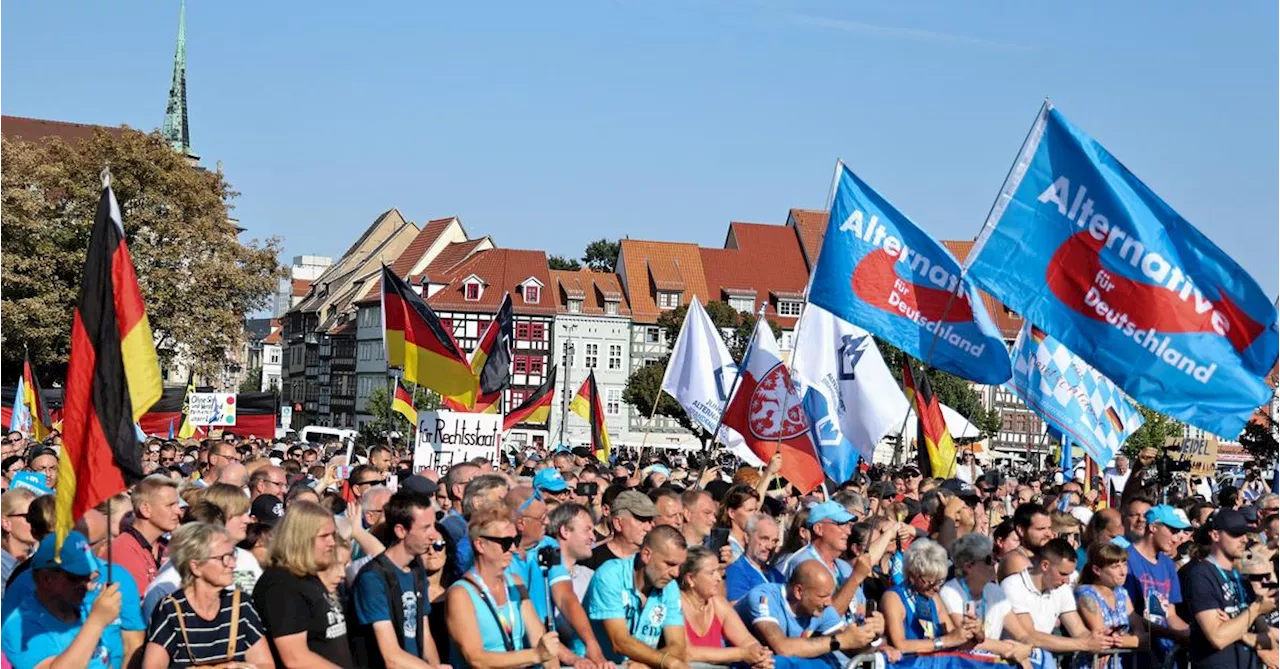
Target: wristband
937, 643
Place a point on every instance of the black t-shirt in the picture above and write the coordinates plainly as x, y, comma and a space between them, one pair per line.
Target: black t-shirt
288, 605
600, 555
1205, 587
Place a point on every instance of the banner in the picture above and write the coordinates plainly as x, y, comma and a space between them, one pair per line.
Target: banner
1072, 397
213, 409
448, 437
1081, 247
1203, 453
879, 270
850, 396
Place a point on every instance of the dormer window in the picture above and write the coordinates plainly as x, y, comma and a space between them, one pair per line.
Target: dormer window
611, 308
668, 299
531, 288
789, 307
575, 306
472, 292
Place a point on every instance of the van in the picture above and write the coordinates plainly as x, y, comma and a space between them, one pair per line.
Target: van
318, 434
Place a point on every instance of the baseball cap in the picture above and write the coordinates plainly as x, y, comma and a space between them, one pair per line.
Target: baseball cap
1169, 516
76, 558
1227, 520
658, 469
549, 480
882, 489
581, 451
267, 509
635, 503
832, 511
962, 489
420, 485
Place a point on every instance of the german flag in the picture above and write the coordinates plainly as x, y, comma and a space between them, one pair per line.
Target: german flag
937, 453
33, 399
402, 403
536, 408
113, 375
417, 341
588, 405
491, 363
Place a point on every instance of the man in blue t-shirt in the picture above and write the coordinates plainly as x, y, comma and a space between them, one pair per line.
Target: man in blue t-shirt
399, 636
455, 483
1153, 580
53, 622
633, 602
797, 620
753, 568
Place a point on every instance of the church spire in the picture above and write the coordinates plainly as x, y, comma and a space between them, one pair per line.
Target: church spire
175, 129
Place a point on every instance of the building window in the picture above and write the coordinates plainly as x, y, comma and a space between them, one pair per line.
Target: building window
575, 306
521, 364
531, 294
789, 307
471, 292
668, 299
537, 331
518, 397
535, 364
522, 331
613, 401
747, 304
273, 356
615, 356
651, 335
592, 355
611, 308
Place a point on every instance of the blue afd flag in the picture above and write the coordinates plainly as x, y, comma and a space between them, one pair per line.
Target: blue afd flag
879, 270
1073, 398
1083, 249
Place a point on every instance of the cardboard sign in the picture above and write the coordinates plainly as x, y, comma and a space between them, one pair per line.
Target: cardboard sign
1203, 453
214, 409
448, 437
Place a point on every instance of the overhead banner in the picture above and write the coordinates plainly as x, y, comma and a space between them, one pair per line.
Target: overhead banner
879, 271
448, 437
1071, 396
1081, 247
212, 409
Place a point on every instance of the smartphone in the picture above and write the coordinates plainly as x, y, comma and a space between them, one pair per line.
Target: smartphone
871, 606
719, 539
971, 609
587, 489
343, 473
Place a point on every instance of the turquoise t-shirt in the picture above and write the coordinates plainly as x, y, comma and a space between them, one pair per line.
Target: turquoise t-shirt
613, 596
32, 635
23, 589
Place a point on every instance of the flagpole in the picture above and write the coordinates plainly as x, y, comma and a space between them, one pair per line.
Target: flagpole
649, 426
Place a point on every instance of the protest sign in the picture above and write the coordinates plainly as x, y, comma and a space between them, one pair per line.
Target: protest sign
214, 409
448, 437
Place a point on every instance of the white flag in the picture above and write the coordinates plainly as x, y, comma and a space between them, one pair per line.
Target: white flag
700, 376
850, 396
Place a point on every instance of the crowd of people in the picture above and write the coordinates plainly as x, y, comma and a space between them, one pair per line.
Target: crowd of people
247, 553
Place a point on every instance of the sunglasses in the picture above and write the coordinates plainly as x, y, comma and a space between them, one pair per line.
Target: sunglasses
371, 482
505, 543
437, 546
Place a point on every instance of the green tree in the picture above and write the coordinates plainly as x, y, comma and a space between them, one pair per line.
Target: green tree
561, 262
252, 382
1259, 441
950, 390
197, 279
602, 255
644, 385
1153, 433
737, 327
385, 420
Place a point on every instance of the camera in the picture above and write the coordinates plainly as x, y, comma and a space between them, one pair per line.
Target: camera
549, 556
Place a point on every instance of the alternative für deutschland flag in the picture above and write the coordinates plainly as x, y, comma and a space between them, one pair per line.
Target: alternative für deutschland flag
113, 375
188, 428
588, 405
491, 363
417, 341
402, 403
536, 408
937, 451
33, 399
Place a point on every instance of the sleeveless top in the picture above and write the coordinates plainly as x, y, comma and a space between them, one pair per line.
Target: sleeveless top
1115, 618
921, 619
714, 636
492, 629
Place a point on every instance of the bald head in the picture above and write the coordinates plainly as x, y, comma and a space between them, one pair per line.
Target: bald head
811, 574
517, 497
93, 525
234, 474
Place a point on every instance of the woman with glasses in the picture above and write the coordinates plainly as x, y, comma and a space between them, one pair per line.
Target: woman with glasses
717, 634
973, 593
490, 622
16, 543
441, 573
914, 614
204, 622
1105, 607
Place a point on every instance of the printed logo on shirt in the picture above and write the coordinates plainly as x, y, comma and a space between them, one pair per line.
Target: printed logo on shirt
409, 604
337, 623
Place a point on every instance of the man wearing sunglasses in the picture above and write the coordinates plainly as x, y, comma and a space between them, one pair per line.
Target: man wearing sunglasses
1153, 578
829, 524
390, 595
1218, 605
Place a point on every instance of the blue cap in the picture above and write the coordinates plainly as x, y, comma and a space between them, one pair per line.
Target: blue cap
1167, 515
76, 558
832, 511
33, 481
549, 480
659, 469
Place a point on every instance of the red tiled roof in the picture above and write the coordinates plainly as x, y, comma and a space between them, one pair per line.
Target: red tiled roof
34, 129
449, 258
673, 259
419, 246
593, 288
503, 271
1005, 318
301, 287
763, 258
811, 226
276, 331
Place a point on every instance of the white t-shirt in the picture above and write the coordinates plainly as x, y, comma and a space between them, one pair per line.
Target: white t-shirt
167, 581
994, 606
968, 475
1116, 481
1044, 607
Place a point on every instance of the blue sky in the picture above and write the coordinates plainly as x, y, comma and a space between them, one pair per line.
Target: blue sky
549, 124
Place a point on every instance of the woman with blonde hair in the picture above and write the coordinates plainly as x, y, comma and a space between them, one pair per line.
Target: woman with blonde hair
16, 541
491, 622
208, 620
303, 625
723, 638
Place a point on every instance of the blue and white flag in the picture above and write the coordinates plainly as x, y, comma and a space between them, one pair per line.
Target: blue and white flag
849, 395
20, 417
1079, 246
879, 270
1081, 404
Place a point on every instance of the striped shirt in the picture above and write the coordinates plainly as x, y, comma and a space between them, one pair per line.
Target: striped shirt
208, 638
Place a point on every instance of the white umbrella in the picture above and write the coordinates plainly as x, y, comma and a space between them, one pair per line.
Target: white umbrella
957, 425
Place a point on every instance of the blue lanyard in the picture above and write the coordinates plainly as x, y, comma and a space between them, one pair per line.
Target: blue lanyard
909, 602
1236, 585
981, 600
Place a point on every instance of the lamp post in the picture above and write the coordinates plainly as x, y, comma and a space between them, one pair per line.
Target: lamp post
568, 371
